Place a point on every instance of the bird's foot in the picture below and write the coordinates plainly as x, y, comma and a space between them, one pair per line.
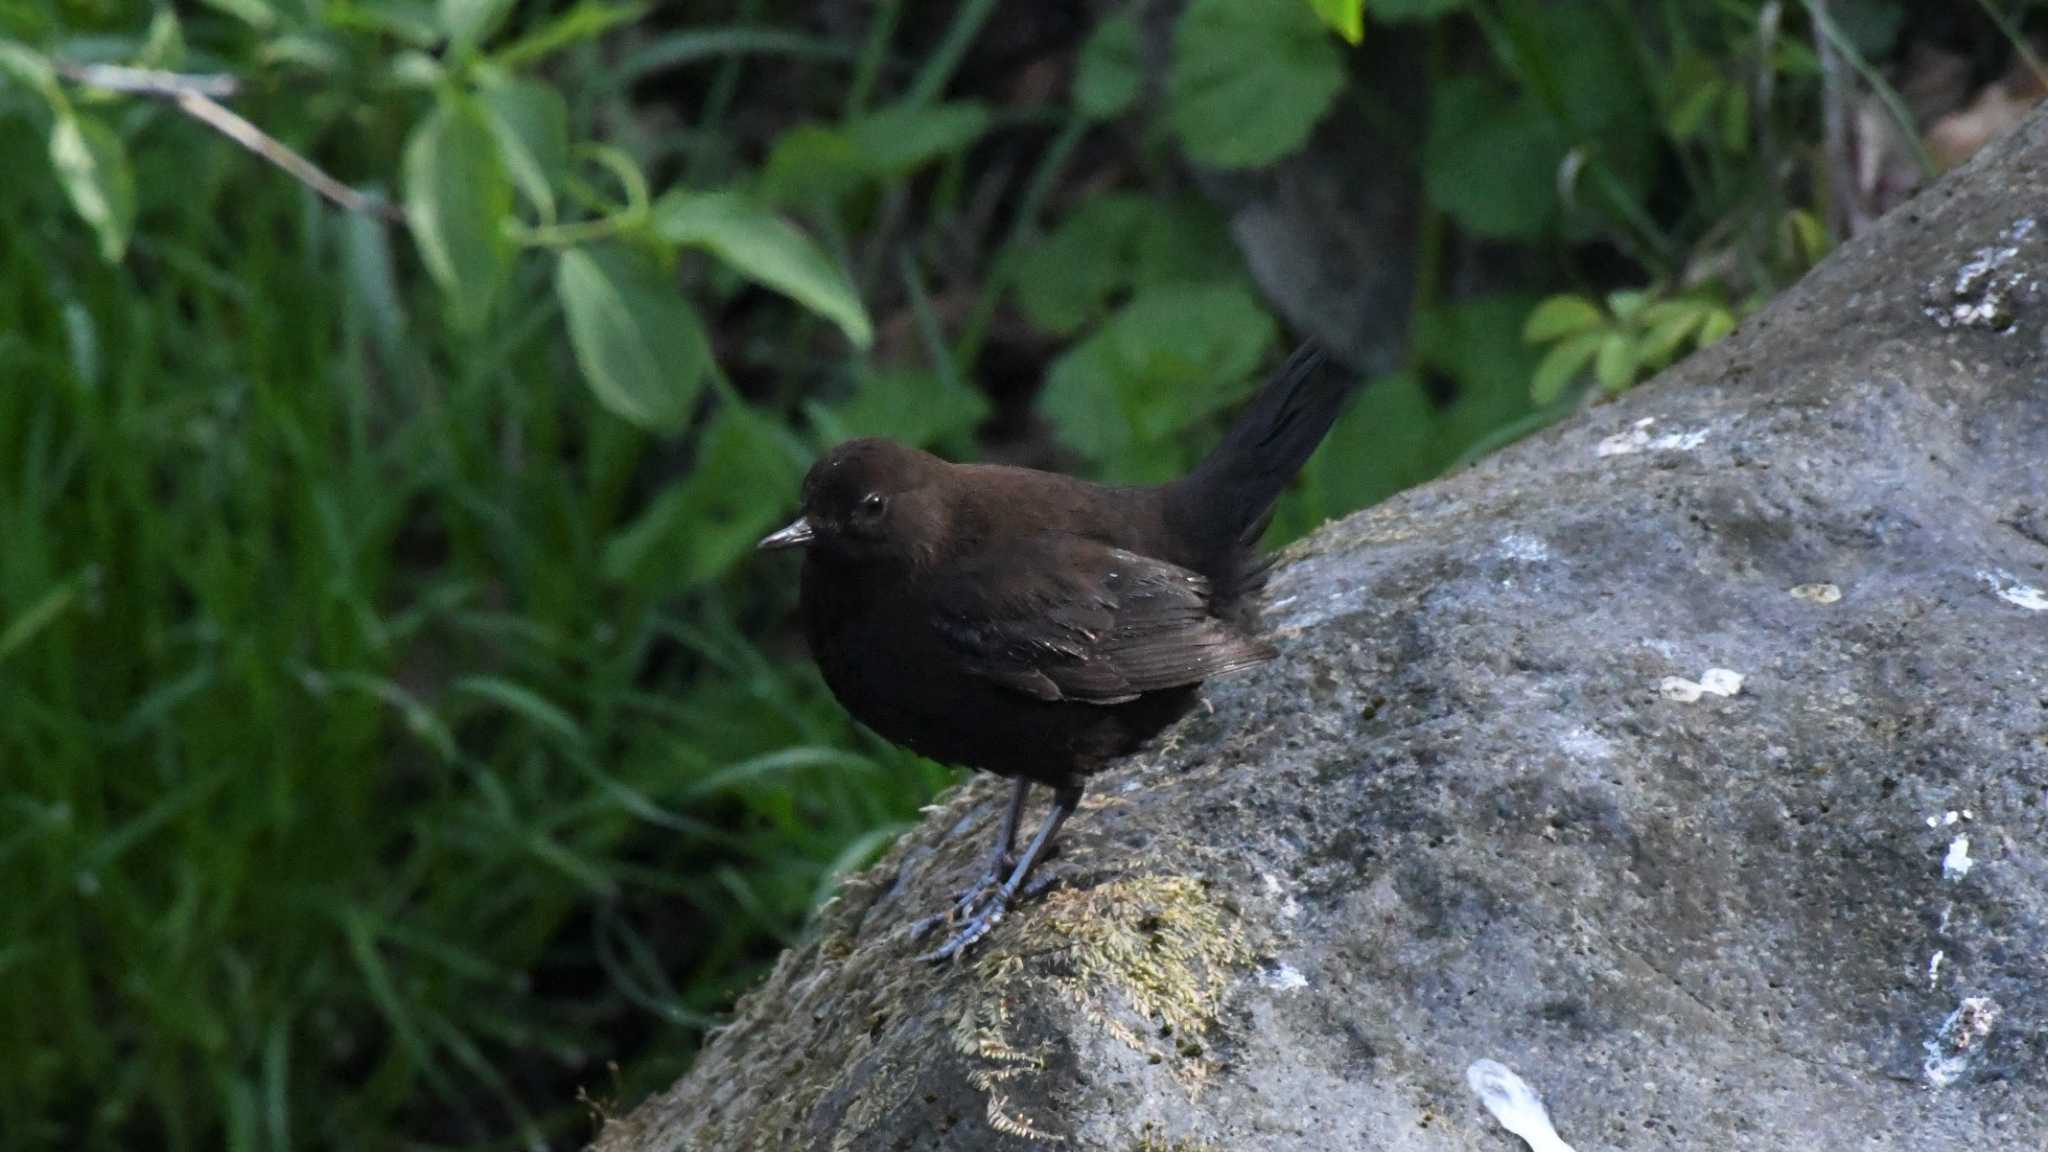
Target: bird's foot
996, 903
965, 904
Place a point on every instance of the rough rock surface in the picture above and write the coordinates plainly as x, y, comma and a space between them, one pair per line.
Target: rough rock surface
1492, 805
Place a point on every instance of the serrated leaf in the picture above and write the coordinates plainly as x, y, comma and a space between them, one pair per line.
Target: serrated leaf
1614, 366
1562, 364
637, 341
1249, 80
1109, 74
530, 121
1561, 316
1171, 356
92, 165
456, 198
469, 23
1344, 17
1491, 160
744, 478
766, 249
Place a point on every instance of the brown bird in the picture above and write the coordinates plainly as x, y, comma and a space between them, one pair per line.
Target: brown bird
1035, 625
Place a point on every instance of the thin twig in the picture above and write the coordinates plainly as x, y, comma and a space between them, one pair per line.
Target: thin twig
194, 96
148, 81
1845, 214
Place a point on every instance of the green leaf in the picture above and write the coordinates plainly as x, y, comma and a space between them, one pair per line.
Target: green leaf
818, 162
456, 198
743, 482
583, 22
1562, 364
1109, 75
255, 13
524, 702
1561, 316
469, 23
1720, 322
1665, 334
920, 408
92, 164
1394, 11
1627, 303
1615, 364
1735, 121
1249, 80
1344, 17
638, 342
1689, 115
1490, 160
1166, 360
31, 68
1065, 280
900, 139
766, 249
530, 122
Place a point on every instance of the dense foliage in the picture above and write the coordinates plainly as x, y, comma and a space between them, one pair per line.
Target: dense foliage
394, 725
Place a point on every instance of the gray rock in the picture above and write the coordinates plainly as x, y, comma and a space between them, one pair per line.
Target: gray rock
1491, 805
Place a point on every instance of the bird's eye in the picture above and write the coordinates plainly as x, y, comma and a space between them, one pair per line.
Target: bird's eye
871, 506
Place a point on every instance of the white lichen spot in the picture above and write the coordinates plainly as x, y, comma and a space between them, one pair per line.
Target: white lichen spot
1716, 682
1289, 907
2008, 588
1957, 863
1934, 968
1284, 978
1524, 547
1638, 439
1585, 744
1945, 819
1817, 593
1515, 1105
1985, 292
1959, 1039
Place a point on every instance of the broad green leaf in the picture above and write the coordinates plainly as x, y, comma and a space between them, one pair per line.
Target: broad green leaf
1066, 279
743, 483
1720, 322
766, 249
637, 340
456, 197
1249, 80
92, 164
1665, 335
1344, 17
530, 121
819, 162
1594, 92
1109, 75
902, 138
1398, 10
585, 21
1490, 160
1166, 360
921, 408
1615, 364
469, 23
1184, 239
1562, 364
1627, 303
255, 13
413, 22
1561, 316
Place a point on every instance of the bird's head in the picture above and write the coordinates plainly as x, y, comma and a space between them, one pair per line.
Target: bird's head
869, 500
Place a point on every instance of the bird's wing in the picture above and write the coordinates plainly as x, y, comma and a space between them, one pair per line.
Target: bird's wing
1059, 617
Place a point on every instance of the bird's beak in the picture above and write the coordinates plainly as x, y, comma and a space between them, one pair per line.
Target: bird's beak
796, 535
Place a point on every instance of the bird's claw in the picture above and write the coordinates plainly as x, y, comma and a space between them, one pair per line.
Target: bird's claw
964, 905
970, 932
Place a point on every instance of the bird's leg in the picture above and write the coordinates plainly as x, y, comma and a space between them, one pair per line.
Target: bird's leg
1064, 802
999, 864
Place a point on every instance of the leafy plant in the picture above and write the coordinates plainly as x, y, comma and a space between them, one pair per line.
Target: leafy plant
1635, 334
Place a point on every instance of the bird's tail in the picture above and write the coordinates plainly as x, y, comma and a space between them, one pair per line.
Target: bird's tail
1225, 503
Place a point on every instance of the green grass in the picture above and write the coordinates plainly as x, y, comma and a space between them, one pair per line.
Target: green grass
339, 794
